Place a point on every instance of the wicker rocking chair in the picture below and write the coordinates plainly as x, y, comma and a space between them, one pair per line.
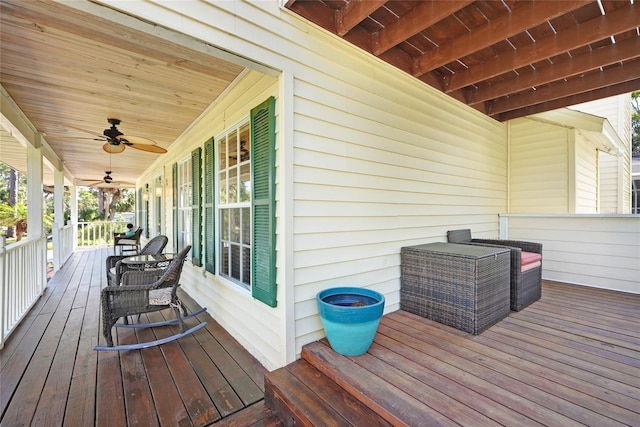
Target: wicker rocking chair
127, 244
115, 267
145, 292
526, 265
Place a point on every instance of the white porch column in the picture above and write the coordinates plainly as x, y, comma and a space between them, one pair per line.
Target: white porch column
35, 204
58, 208
73, 206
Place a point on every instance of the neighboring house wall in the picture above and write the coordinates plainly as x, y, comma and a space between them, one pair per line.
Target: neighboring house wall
564, 161
615, 170
372, 160
586, 170
541, 173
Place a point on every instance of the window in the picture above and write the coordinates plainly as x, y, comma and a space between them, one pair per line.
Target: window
158, 201
234, 204
184, 204
238, 204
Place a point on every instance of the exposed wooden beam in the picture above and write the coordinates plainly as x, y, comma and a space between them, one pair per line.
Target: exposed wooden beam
424, 15
525, 17
316, 12
592, 95
589, 82
353, 13
622, 51
404, 62
622, 19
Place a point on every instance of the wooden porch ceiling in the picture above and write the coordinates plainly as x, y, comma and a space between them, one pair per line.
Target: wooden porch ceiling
69, 66
506, 58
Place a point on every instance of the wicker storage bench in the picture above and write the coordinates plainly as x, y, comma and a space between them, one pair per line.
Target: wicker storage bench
463, 286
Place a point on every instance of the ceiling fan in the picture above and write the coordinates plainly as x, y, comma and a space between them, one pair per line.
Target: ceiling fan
116, 141
108, 182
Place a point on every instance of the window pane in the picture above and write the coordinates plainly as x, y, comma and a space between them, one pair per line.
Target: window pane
224, 259
246, 226
246, 266
235, 226
235, 262
233, 185
244, 143
245, 183
184, 204
233, 149
223, 187
224, 224
222, 149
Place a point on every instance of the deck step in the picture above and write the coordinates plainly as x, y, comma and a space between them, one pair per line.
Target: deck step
302, 395
256, 415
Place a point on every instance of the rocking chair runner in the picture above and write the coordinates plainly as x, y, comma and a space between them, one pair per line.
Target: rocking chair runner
114, 264
145, 292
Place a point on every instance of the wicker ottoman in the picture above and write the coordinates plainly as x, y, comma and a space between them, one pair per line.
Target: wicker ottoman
463, 286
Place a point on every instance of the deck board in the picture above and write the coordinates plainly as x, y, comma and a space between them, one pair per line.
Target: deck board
51, 375
572, 358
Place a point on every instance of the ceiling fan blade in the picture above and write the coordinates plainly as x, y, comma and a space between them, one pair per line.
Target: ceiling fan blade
113, 149
136, 140
103, 184
149, 148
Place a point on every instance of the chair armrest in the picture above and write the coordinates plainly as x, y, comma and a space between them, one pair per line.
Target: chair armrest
522, 245
113, 260
148, 278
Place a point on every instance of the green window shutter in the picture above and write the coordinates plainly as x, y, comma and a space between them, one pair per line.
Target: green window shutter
146, 211
209, 208
263, 271
174, 177
196, 188
139, 205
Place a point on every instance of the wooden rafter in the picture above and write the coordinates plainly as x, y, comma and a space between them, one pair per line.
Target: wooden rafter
605, 92
613, 75
423, 16
502, 58
620, 20
508, 25
579, 64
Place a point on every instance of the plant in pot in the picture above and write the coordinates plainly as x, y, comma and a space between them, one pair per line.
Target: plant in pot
350, 317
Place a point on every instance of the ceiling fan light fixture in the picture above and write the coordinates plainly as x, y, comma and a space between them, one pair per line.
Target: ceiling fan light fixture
116, 141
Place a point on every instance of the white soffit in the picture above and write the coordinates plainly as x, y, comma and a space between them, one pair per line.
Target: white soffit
596, 129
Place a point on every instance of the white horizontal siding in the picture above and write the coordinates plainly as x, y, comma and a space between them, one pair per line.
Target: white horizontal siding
609, 187
538, 167
595, 250
615, 189
586, 171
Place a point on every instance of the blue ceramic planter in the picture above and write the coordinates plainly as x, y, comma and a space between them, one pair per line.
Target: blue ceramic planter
350, 317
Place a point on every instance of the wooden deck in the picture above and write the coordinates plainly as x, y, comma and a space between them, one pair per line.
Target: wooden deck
51, 376
573, 358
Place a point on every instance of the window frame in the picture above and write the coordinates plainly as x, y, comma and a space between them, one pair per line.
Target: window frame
242, 207
184, 207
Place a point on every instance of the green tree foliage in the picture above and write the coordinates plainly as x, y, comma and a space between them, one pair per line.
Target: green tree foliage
88, 204
635, 122
5, 177
127, 201
14, 216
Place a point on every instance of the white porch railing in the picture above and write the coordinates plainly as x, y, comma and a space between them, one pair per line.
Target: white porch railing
602, 251
96, 234
23, 267
62, 245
